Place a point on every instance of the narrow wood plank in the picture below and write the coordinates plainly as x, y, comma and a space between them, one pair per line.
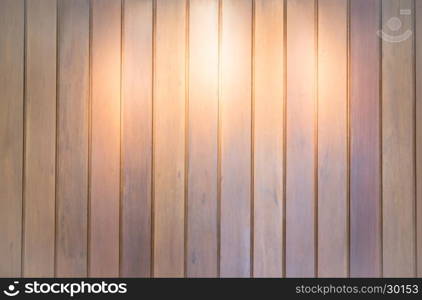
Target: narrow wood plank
301, 142
418, 36
72, 134
203, 123
235, 114
268, 142
105, 139
39, 191
332, 139
169, 138
136, 138
365, 180
11, 135
398, 164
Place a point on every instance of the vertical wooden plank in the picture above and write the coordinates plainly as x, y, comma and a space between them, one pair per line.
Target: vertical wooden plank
332, 139
105, 139
39, 185
418, 53
136, 138
72, 134
300, 165
398, 134
365, 180
235, 112
203, 123
268, 142
11, 135
169, 138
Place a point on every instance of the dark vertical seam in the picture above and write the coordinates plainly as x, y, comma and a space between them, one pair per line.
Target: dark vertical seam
316, 90
154, 25
186, 175
121, 162
57, 139
88, 256
220, 14
381, 145
252, 180
348, 137
284, 273
87, 107
25, 25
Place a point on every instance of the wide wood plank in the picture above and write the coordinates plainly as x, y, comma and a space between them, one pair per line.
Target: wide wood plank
365, 177
268, 138
72, 132
398, 165
301, 142
136, 138
169, 138
418, 36
11, 135
203, 123
105, 139
40, 136
332, 139
235, 135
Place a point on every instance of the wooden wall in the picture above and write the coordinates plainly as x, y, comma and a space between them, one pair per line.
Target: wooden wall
206, 138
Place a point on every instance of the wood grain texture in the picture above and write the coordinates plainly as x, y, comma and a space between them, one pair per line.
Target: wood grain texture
11, 135
208, 138
301, 141
332, 139
418, 53
136, 138
365, 177
203, 125
235, 113
40, 145
169, 138
398, 146
72, 132
268, 142
105, 139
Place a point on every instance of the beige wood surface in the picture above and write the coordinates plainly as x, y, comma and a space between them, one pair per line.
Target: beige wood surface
136, 138
235, 135
72, 135
398, 167
206, 138
40, 139
365, 139
268, 138
11, 135
105, 139
301, 139
332, 139
169, 138
202, 139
